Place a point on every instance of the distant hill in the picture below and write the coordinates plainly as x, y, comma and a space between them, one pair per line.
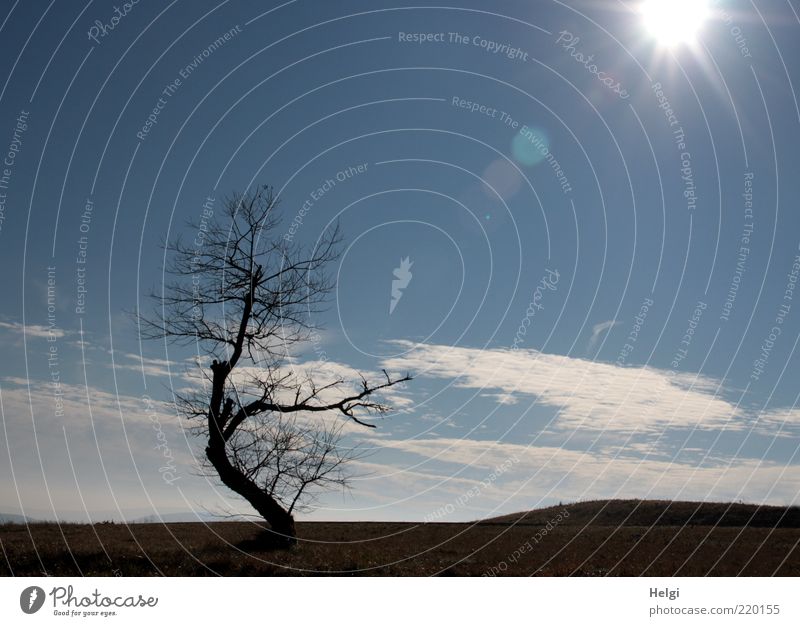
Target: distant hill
657, 513
171, 518
13, 518
168, 518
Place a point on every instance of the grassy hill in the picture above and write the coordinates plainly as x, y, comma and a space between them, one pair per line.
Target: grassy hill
659, 513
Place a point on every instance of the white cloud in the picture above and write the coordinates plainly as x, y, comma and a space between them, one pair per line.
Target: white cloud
587, 394
35, 331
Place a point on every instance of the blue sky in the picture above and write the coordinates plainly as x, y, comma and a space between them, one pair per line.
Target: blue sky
601, 295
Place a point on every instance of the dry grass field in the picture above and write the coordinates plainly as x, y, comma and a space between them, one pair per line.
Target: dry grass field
604, 538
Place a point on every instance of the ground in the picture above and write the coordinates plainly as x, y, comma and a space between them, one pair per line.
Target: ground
616, 538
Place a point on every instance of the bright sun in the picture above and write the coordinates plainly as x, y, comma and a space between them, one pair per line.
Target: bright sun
674, 22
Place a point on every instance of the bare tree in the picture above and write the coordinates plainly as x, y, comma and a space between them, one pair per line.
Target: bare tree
247, 297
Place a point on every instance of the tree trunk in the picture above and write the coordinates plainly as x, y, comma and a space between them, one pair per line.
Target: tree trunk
281, 522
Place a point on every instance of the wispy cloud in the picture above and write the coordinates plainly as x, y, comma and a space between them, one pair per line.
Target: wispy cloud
150, 366
36, 331
542, 473
598, 330
73, 443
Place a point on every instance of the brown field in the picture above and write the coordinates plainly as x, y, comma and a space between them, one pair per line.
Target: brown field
606, 538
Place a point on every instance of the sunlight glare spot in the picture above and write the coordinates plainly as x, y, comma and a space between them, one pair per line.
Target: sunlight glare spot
673, 22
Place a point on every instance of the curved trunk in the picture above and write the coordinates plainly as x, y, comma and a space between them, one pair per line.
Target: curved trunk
281, 522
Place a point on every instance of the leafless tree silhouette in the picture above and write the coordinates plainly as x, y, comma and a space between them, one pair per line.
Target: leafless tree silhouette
246, 296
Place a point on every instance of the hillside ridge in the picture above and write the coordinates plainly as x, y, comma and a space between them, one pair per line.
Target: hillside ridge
656, 513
